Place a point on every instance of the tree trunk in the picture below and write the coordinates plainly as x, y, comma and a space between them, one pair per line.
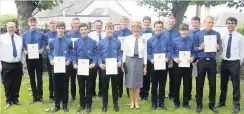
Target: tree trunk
178, 10
24, 11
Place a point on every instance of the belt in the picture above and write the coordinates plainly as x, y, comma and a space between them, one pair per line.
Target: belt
207, 59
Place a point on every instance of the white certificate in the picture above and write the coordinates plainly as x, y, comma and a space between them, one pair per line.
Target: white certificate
210, 42
83, 67
160, 63
111, 66
33, 51
146, 36
184, 56
59, 65
121, 39
73, 41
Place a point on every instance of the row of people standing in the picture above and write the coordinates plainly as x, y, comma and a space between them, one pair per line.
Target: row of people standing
170, 39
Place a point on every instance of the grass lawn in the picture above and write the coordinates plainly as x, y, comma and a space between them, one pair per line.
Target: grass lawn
38, 108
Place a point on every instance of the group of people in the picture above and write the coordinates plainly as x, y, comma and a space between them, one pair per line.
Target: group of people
144, 56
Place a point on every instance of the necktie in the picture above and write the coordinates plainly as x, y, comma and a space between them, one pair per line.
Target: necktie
229, 47
170, 35
110, 48
14, 47
159, 45
32, 37
100, 37
60, 47
84, 48
185, 44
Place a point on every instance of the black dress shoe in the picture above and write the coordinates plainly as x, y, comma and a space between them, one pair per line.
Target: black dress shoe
41, 100
220, 105
33, 100
215, 110
120, 96
65, 109
105, 108
154, 106
17, 103
187, 107
116, 108
176, 106
163, 107
8, 105
55, 109
88, 108
235, 110
83, 106
199, 109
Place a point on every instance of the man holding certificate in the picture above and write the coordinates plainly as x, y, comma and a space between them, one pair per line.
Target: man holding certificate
121, 35
171, 33
109, 61
207, 63
33, 46
60, 57
146, 33
158, 53
73, 35
85, 59
183, 55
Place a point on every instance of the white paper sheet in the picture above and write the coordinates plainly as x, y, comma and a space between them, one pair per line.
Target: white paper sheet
210, 42
160, 63
111, 66
184, 56
73, 41
83, 67
59, 65
121, 39
33, 51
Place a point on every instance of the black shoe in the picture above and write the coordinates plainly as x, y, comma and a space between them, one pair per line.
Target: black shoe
17, 103
176, 106
41, 100
154, 106
65, 109
88, 108
100, 94
51, 100
163, 107
187, 107
55, 109
220, 105
235, 110
72, 99
199, 109
215, 110
120, 96
116, 108
105, 108
33, 100
8, 105
83, 106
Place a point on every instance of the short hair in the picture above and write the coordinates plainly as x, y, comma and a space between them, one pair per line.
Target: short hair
124, 18
60, 24
231, 19
158, 22
211, 17
76, 18
184, 26
52, 20
98, 21
11, 23
136, 24
83, 25
195, 18
171, 17
32, 19
109, 25
146, 18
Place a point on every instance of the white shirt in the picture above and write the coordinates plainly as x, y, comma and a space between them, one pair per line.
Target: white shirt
237, 46
95, 35
129, 45
6, 48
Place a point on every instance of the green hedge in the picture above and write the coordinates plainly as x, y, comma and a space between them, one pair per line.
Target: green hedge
241, 30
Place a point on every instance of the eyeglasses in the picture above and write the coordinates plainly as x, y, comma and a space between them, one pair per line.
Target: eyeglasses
233, 23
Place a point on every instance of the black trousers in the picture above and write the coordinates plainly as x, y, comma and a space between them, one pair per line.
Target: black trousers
158, 78
179, 73
171, 81
11, 78
85, 85
72, 74
35, 70
120, 81
50, 74
230, 68
98, 72
144, 92
206, 67
61, 82
114, 83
